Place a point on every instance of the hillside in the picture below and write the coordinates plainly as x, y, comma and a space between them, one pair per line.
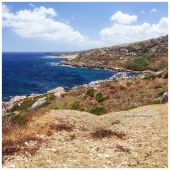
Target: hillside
144, 55
114, 123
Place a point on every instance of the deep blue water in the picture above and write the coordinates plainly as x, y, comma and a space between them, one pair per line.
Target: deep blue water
26, 73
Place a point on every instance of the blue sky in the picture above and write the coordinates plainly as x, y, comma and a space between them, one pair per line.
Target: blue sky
78, 26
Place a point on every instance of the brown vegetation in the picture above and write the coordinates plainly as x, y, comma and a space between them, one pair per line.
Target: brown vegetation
38, 125
114, 96
104, 133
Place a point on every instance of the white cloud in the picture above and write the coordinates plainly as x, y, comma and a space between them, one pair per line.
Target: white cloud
40, 22
153, 10
123, 18
120, 33
44, 24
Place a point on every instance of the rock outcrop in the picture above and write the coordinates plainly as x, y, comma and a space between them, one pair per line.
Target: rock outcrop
58, 92
40, 102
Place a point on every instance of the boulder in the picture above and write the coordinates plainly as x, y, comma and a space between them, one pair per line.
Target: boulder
40, 102
165, 97
58, 92
17, 98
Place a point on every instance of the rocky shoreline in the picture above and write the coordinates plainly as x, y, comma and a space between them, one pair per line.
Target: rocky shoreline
81, 65
59, 91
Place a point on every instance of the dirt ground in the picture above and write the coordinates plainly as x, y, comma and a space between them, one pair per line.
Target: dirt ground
133, 138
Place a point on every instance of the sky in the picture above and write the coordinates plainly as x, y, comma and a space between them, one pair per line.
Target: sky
72, 26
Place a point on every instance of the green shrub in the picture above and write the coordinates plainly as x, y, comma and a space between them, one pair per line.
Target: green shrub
138, 63
26, 104
56, 108
157, 86
98, 110
90, 92
149, 77
160, 93
99, 97
50, 97
128, 83
20, 119
75, 106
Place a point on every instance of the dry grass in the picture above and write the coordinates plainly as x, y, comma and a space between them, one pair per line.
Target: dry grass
104, 133
120, 148
61, 127
121, 95
38, 125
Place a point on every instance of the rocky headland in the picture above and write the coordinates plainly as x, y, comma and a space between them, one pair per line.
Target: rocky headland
152, 54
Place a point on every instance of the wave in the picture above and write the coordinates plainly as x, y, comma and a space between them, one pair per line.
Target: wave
54, 63
60, 64
51, 57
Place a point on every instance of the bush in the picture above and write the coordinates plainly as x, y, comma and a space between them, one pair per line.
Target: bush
90, 92
102, 133
98, 110
149, 77
139, 63
20, 120
157, 86
99, 97
50, 97
160, 93
75, 106
128, 83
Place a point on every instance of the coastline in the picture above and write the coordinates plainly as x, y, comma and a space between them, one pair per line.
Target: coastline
17, 100
119, 71
103, 68
68, 58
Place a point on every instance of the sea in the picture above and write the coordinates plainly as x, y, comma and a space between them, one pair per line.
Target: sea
25, 73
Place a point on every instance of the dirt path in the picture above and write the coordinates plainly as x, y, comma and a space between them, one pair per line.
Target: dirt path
143, 142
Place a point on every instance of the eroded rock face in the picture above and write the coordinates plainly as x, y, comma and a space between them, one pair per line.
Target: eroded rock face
58, 92
40, 102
